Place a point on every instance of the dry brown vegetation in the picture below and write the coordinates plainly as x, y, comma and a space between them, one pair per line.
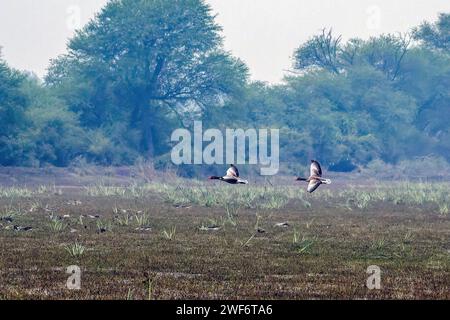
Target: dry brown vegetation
186, 239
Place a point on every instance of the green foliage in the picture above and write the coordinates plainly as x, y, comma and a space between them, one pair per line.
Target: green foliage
143, 64
365, 100
12, 114
436, 36
170, 234
57, 225
320, 51
54, 134
75, 249
142, 68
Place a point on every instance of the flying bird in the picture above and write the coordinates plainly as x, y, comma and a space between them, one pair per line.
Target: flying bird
315, 177
232, 176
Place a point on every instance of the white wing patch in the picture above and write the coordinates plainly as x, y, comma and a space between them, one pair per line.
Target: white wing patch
231, 172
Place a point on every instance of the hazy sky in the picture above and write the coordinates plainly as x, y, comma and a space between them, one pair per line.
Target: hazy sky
264, 33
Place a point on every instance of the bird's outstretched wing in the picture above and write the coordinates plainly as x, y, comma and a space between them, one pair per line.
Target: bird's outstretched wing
316, 170
313, 185
233, 172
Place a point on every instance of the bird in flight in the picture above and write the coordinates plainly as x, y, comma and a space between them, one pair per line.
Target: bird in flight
232, 176
315, 177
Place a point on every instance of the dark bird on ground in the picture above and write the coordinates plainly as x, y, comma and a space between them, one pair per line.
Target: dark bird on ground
7, 219
19, 228
315, 177
232, 176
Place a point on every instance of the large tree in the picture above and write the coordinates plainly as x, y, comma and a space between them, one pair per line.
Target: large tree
321, 51
435, 35
12, 113
327, 52
146, 61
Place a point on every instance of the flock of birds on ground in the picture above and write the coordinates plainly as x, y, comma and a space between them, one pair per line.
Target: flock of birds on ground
314, 181
232, 177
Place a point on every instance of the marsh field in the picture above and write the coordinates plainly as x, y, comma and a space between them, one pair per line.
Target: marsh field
170, 238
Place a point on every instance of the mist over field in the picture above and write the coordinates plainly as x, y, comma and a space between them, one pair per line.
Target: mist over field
100, 199
140, 70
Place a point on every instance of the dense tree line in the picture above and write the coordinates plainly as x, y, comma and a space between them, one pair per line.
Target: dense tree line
142, 68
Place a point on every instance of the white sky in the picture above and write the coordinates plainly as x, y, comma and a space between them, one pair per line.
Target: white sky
264, 33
